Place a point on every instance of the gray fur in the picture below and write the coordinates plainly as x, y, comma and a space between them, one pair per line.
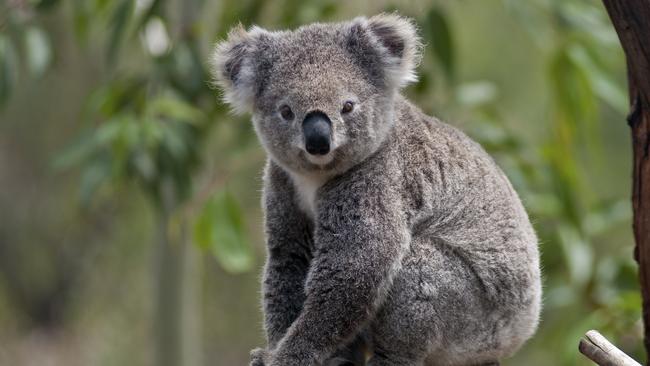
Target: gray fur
406, 241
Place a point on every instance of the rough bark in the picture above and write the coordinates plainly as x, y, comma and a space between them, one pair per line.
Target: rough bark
631, 19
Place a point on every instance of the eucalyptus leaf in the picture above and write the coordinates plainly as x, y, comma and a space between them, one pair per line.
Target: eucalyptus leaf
81, 19
119, 28
220, 229
438, 31
175, 109
575, 99
605, 218
144, 165
577, 253
476, 93
39, 51
203, 226
97, 172
174, 143
107, 131
8, 69
603, 84
77, 152
47, 4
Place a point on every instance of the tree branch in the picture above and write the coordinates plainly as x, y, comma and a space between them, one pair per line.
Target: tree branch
630, 19
598, 349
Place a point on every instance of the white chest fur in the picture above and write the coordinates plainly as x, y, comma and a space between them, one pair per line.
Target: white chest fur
306, 187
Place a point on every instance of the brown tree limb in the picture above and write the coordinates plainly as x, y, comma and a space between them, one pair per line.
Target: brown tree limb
631, 19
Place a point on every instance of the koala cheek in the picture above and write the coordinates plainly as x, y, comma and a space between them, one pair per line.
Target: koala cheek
297, 142
339, 136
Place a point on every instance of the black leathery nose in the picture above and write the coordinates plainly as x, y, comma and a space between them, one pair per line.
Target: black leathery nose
317, 128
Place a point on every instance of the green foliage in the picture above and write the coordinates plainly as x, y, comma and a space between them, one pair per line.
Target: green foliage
22, 41
437, 29
39, 54
154, 146
120, 20
220, 230
146, 128
153, 123
580, 72
7, 68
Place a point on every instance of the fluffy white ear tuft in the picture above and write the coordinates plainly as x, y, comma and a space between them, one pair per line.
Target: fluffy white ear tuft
399, 46
233, 67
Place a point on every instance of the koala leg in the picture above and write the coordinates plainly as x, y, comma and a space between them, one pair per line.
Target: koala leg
434, 314
353, 354
405, 325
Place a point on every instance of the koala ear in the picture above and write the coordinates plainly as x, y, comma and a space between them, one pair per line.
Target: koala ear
234, 69
396, 44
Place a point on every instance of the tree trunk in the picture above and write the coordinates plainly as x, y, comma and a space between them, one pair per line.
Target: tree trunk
191, 315
177, 290
168, 261
631, 18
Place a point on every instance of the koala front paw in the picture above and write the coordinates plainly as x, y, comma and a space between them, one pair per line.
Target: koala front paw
259, 357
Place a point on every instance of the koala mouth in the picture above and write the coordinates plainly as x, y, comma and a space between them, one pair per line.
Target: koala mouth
320, 160
314, 163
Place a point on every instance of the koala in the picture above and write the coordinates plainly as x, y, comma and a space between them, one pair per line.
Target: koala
392, 238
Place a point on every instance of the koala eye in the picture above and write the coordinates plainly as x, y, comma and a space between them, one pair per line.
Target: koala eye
286, 112
347, 107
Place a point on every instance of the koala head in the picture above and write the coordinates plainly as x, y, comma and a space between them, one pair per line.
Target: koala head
322, 95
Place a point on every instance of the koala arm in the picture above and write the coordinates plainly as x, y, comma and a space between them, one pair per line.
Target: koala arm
360, 239
288, 236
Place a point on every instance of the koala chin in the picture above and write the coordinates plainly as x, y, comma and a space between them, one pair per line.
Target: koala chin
392, 238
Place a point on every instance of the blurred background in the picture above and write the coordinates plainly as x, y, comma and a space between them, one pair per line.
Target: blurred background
130, 226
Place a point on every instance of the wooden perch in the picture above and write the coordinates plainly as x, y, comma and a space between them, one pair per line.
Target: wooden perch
598, 349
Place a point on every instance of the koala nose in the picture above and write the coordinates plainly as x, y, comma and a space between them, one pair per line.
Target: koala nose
316, 128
